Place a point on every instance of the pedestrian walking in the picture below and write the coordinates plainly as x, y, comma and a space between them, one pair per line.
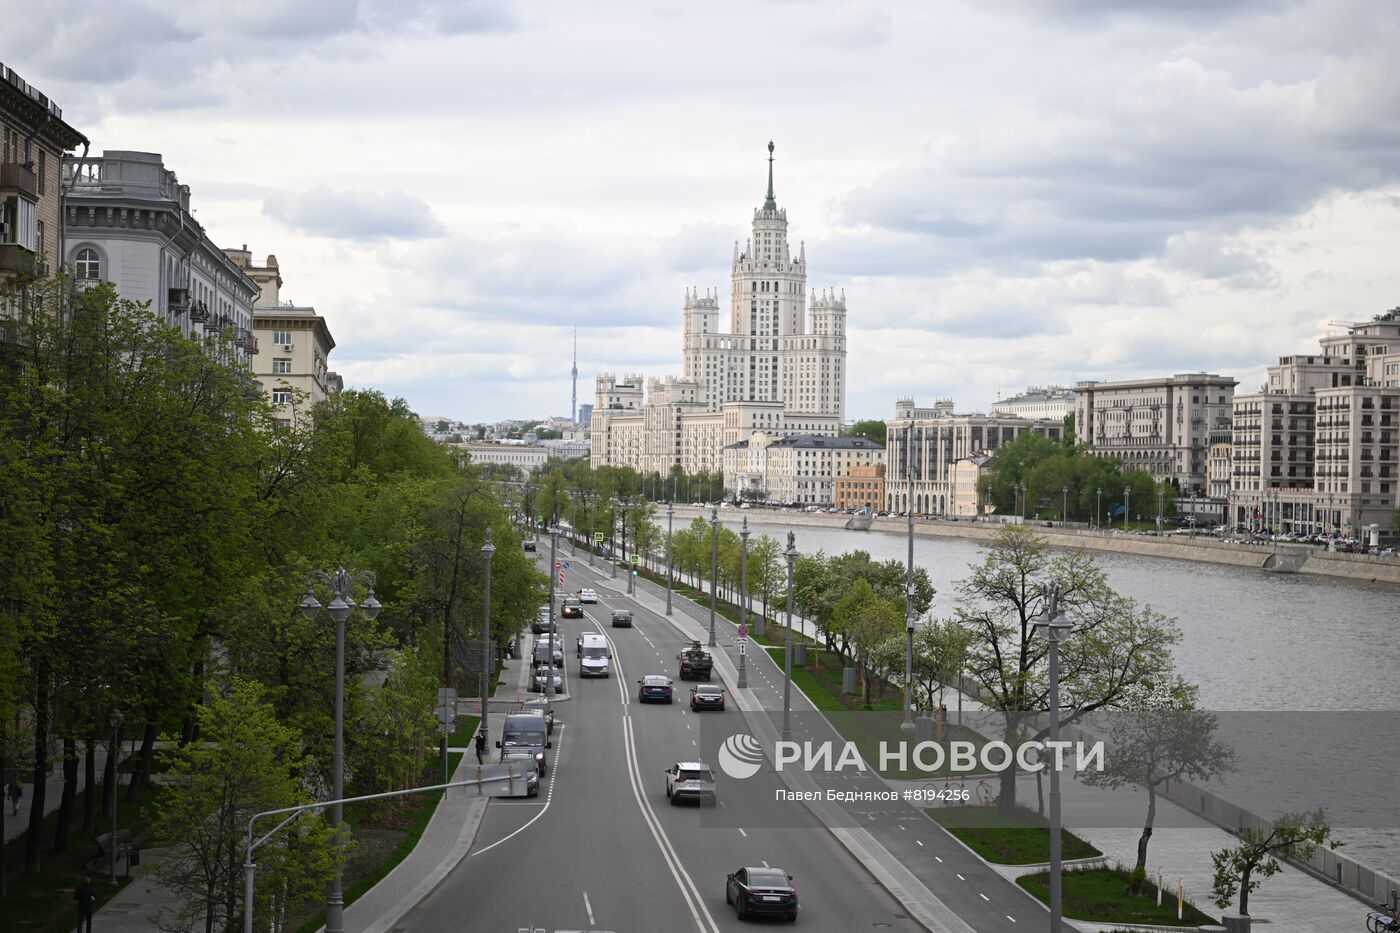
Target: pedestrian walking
481, 747
15, 792
86, 897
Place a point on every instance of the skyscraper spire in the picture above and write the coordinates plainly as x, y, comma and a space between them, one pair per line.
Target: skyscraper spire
573, 399
770, 204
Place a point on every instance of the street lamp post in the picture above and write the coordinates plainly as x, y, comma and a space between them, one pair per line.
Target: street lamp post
553, 625
612, 541
588, 503
743, 597
339, 608
670, 548
1098, 506
791, 555
908, 724
1127, 498
1056, 624
714, 567
114, 719
631, 568
1064, 504
488, 550
1161, 505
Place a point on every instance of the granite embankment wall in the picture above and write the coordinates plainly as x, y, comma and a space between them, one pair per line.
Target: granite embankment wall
1291, 558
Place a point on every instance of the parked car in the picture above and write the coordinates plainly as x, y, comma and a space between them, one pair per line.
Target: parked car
540, 623
529, 766
544, 708
525, 733
529, 547
622, 618
690, 780
706, 696
655, 688
541, 680
761, 892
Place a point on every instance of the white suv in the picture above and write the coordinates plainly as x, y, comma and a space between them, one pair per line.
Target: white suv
690, 780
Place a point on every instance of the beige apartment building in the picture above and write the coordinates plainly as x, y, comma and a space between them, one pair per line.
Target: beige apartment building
1316, 451
797, 468
294, 344
1163, 426
923, 444
33, 141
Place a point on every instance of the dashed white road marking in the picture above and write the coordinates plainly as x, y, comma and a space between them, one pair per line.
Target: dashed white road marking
917, 842
960, 877
588, 907
939, 859
1011, 918
984, 897
742, 833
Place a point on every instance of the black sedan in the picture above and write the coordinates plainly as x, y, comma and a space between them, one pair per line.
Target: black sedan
766, 892
655, 688
706, 696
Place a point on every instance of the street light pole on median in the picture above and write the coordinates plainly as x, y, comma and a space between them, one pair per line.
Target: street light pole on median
908, 724
743, 598
553, 625
714, 567
1056, 623
339, 608
791, 555
670, 545
1127, 500
114, 719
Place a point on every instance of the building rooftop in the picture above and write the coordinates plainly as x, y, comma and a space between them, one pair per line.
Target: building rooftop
820, 440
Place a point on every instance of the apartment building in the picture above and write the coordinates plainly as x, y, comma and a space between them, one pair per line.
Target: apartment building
1163, 426
795, 468
1316, 451
923, 444
127, 220
34, 138
1050, 401
862, 487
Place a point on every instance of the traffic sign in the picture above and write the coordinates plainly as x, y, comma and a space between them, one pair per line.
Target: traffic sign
635, 559
566, 565
597, 536
557, 565
743, 631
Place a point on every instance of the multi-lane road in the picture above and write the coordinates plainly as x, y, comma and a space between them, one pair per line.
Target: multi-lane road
602, 849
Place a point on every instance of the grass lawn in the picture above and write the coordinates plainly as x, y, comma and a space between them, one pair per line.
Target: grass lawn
44, 901
384, 838
464, 734
1101, 895
1020, 840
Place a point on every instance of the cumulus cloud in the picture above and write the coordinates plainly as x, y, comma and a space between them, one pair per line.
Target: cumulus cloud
355, 215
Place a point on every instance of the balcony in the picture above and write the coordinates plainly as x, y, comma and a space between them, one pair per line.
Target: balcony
17, 178
16, 260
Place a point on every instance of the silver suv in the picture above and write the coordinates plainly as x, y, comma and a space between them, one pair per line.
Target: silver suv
690, 780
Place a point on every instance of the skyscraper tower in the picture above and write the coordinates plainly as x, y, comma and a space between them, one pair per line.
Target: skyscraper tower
573, 398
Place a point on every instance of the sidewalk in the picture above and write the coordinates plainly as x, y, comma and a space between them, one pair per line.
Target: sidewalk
53, 793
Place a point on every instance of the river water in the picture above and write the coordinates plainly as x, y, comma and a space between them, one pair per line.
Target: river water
1252, 641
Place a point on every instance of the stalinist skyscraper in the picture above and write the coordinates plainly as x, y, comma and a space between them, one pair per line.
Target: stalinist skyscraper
773, 370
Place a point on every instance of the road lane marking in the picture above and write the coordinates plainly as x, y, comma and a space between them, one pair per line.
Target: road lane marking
960, 877
917, 842
1011, 918
548, 799
984, 897
588, 907
766, 865
742, 833
939, 859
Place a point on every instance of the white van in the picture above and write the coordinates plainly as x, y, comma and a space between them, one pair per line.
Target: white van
593, 656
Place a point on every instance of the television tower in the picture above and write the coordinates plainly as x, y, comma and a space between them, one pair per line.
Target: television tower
573, 398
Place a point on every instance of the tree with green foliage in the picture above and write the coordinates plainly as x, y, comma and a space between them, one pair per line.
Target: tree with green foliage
940, 657
1157, 735
864, 619
1114, 645
1242, 869
247, 762
871, 429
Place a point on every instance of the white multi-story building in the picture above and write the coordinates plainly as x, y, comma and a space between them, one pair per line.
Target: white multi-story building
127, 220
1164, 426
780, 368
525, 456
923, 446
1037, 402
1316, 449
796, 468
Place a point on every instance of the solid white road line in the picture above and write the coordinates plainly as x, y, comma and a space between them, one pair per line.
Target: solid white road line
548, 798
588, 907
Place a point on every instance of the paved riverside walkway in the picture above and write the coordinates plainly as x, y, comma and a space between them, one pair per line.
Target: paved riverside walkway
53, 793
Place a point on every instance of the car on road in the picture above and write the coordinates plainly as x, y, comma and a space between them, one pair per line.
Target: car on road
706, 696
587, 596
594, 656
529, 766
544, 709
622, 618
761, 892
655, 688
573, 609
529, 547
541, 680
690, 780
525, 733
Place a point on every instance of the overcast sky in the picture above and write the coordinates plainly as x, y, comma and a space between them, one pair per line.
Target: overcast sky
1010, 192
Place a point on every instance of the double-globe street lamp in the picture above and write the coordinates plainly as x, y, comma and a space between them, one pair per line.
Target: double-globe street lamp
714, 567
670, 545
1057, 623
908, 724
339, 608
791, 555
743, 599
1127, 499
488, 551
